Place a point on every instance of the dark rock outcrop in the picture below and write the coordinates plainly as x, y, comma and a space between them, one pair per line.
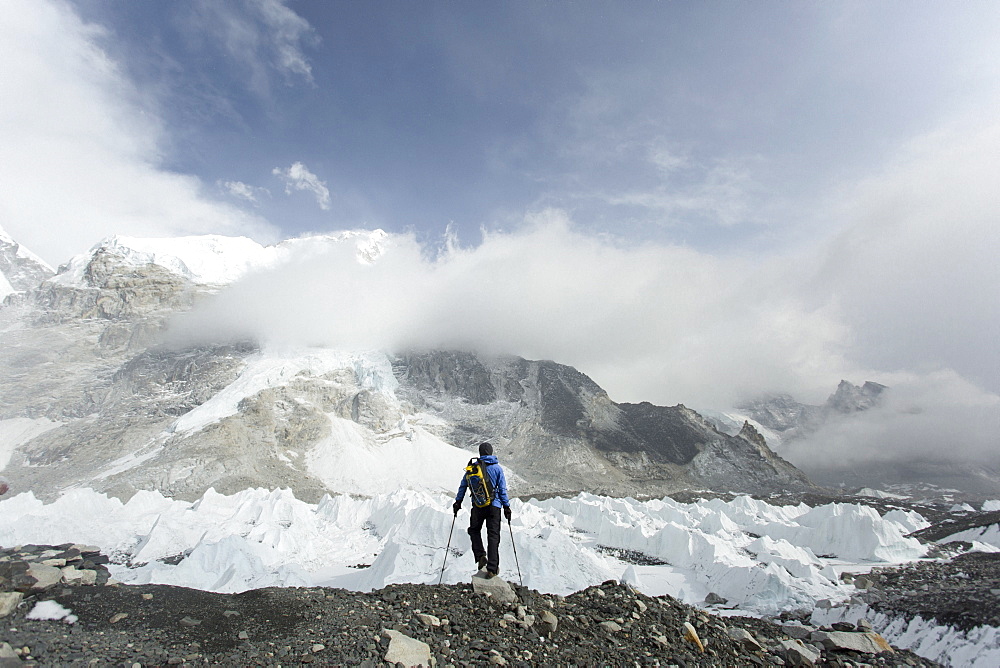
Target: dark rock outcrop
556, 423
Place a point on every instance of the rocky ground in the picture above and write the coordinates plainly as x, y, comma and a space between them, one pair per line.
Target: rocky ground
460, 625
963, 592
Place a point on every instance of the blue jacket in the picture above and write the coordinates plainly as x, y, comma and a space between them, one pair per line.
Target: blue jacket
497, 480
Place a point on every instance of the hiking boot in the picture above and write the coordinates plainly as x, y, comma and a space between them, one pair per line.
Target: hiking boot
481, 563
489, 575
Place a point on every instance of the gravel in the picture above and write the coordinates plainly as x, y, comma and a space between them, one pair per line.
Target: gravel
158, 625
963, 592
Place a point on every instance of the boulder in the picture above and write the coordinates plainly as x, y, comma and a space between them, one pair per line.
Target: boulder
691, 635
797, 631
428, 620
406, 650
865, 643
8, 657
799, 654
9, 602
547, 623
715, 599
46, 576
746, 639
497, 589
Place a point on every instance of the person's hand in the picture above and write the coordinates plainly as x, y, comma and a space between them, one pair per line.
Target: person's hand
457, 506
506, 512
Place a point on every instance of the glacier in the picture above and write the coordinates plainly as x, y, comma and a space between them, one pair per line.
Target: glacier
762, 558
740, 550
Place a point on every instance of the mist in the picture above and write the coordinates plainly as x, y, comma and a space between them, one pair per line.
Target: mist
647, 322
930, 424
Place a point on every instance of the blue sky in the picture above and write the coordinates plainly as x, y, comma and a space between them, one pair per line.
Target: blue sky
790, 193
710, 124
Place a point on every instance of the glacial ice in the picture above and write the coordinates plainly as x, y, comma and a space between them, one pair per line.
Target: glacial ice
762, 558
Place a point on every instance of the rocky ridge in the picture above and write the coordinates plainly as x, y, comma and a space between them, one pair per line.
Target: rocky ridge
451, 625
552, 418
20, 269
790, 419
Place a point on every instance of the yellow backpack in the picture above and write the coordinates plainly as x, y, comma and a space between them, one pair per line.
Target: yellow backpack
480, 487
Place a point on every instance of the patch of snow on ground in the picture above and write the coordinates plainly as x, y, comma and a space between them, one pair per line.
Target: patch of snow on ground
878, 494
990, 535
15, 432
51, 610
991, 505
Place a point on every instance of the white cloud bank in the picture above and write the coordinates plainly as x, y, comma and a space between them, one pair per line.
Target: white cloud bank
79, 151
298, 177
660, 323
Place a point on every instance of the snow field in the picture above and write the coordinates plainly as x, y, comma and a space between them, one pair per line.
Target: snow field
741, 550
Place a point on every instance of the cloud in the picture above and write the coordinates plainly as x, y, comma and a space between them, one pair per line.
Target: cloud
298, 177
241, 190
648, 322
719, 192
914, 271
937, 418
260, 36
79, 153
901, 293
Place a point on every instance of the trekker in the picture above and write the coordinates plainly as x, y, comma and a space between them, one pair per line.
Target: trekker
489, 515
4, 485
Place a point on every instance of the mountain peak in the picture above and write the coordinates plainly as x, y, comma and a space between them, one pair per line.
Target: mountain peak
20, 269
849, 398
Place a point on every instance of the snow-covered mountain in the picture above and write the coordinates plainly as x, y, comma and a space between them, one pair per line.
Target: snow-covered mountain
20, 269
782, 418
91, 397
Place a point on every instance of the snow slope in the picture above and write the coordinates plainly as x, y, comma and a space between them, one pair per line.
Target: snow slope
274, 368
17, 431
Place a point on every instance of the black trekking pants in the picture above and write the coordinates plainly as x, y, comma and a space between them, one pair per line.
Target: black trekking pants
491, 516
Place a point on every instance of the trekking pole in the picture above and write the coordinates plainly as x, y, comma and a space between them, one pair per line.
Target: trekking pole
515, 552
450, 531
